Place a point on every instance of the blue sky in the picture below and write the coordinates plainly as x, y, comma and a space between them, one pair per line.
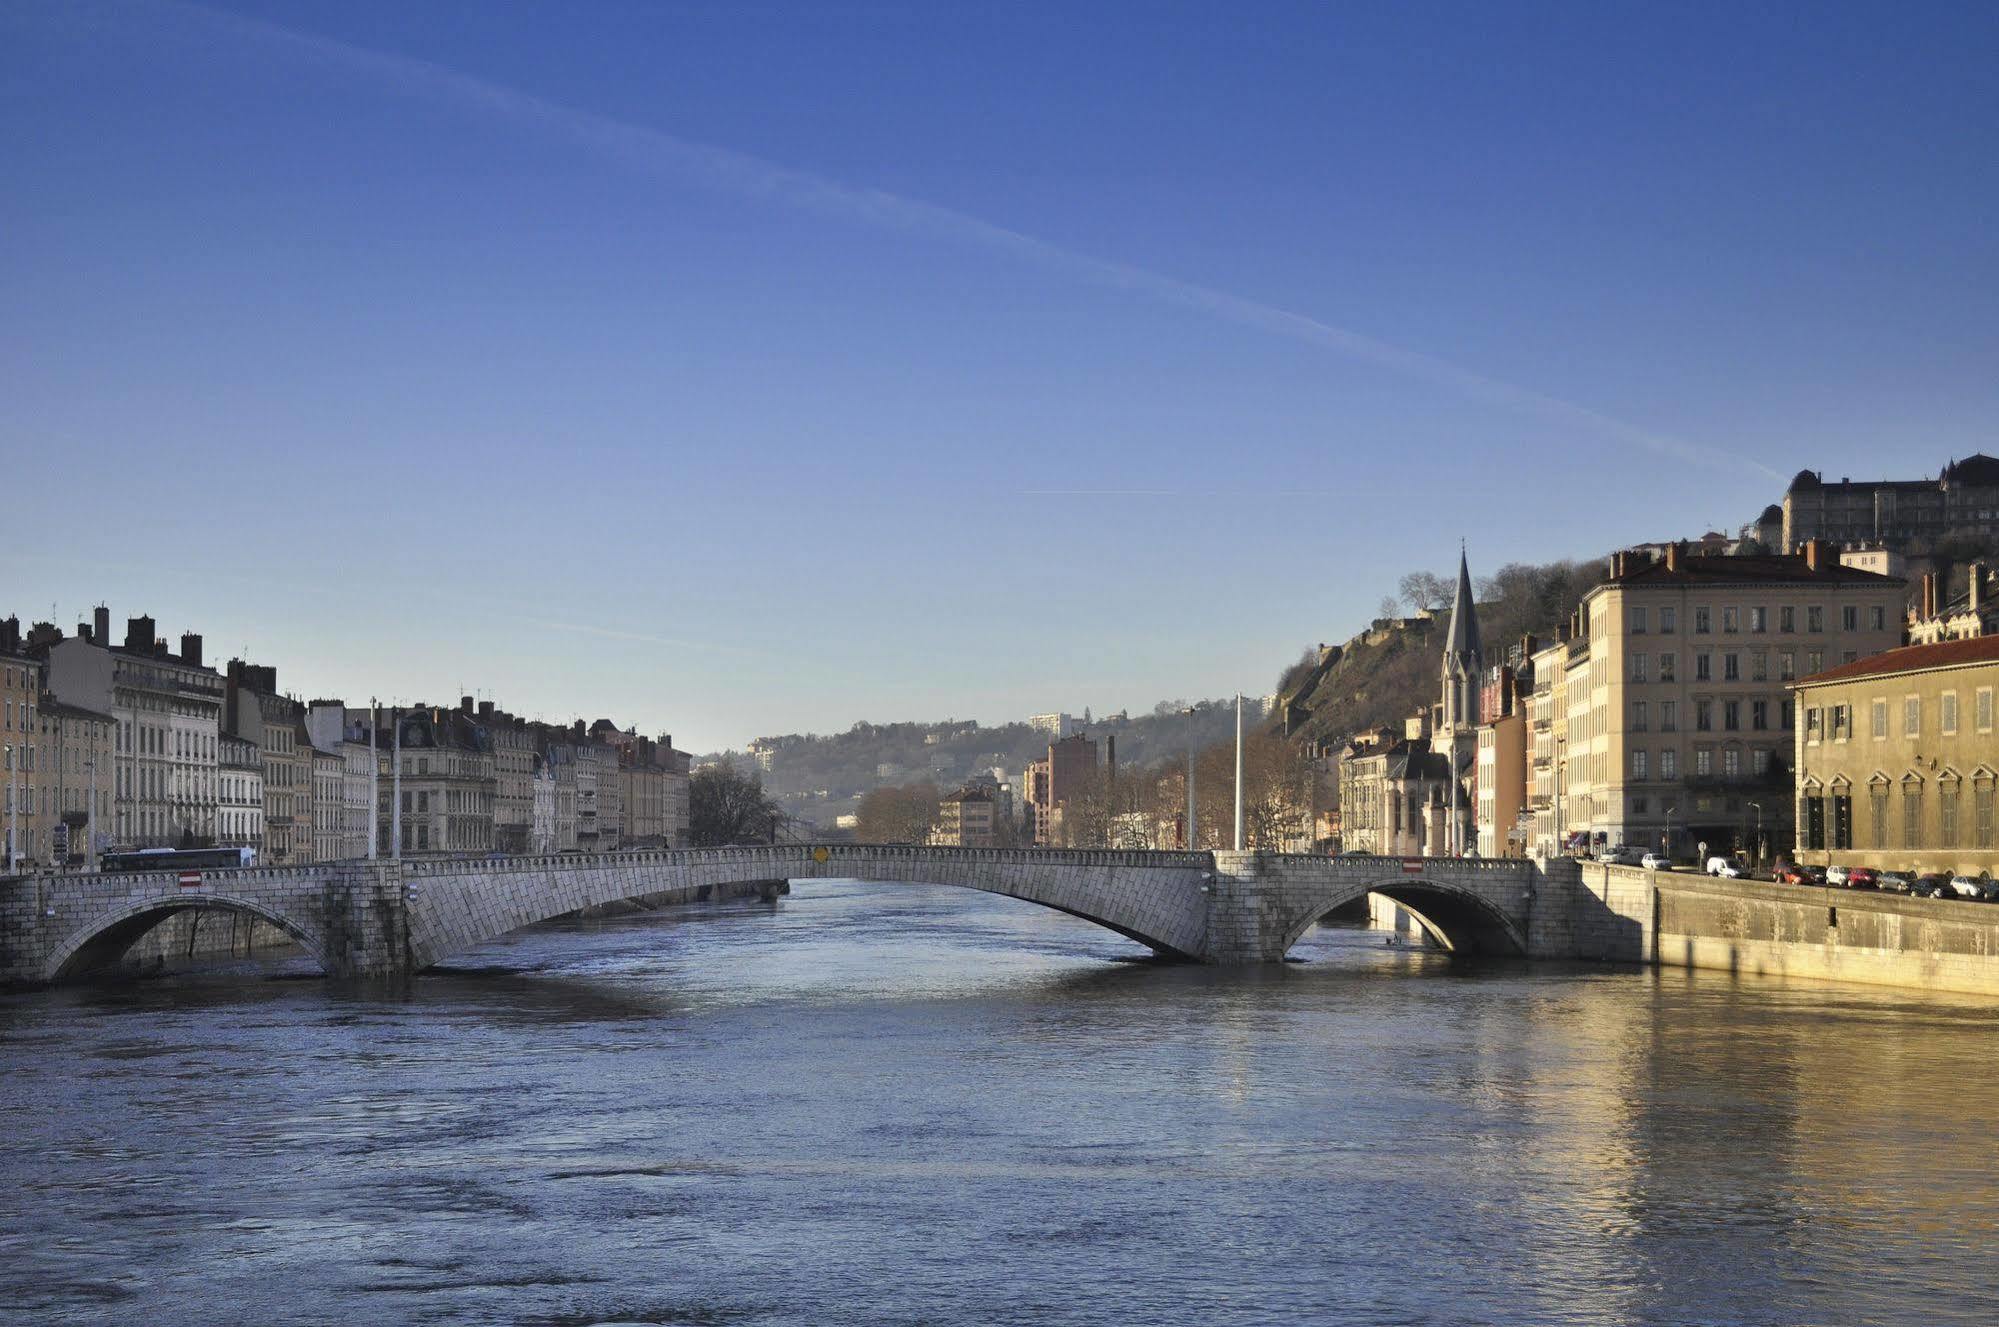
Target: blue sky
743, 368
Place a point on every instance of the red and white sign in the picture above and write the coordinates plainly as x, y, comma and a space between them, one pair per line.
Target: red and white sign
190, 880
1412, 866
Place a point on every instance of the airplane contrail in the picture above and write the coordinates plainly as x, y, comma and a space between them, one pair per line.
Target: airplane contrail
654, 151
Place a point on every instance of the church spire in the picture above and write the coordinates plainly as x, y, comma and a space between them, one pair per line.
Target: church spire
1462, 643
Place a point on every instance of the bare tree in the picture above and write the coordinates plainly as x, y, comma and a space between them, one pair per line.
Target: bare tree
1423, 589
897, 815
726, 806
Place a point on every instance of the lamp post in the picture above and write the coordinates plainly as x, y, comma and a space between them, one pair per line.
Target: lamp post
1192, 842
1238, 771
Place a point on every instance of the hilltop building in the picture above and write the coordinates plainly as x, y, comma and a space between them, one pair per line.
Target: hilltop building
1908, 514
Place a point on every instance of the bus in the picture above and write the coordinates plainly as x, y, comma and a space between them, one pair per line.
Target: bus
178, 859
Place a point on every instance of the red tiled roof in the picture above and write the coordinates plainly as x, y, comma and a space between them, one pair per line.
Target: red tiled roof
1748, 568
1912, 659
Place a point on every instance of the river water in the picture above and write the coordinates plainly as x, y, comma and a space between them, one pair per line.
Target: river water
887, 1104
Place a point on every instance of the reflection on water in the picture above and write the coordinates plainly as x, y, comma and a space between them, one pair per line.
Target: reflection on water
902, 1105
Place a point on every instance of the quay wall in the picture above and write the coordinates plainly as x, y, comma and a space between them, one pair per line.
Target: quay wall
1586, 910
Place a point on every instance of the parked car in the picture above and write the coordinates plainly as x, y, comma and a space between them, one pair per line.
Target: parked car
1794, 873
1931, 885
1734, 868
1862, 877
1894, 882
1836, 876
1620, 855
1656, 861
1978, 888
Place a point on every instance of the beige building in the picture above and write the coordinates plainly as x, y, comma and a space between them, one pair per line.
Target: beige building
1939, 615
274, 724
1394, 793
964, 820
168, 708
239, 811
447, 783
1898, 759
1678, 725
74, 769
20, 694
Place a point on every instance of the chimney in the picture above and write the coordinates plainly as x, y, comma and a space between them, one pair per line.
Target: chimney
1676, 555
10, 635
84, 632
190, 648
1926, 599
465, 704
1975, 592
485, 711
1110, 752
139, 634
101, 625
1820, 555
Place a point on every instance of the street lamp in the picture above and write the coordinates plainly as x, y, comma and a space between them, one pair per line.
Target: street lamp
1190, 844
1238, 771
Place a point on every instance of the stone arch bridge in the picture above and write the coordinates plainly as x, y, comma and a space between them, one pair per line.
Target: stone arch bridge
375, 919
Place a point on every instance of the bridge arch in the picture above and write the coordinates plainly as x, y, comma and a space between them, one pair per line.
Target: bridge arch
105, 938
1461, 920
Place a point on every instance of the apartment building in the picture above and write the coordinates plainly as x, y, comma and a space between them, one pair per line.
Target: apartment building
74, 763
239, 812
168, 712
20, 696
448, 783
1676, 704
255, 711
1898, 760
965, 819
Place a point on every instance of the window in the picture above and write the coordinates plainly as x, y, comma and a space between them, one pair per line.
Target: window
1638, 764
1877, 812
1703, 715
1703, 760
1731, 715
1637, 621
1880, 618
1759, 665
1842, 820
1637, 716
1981, 709
1759, 761
1669, 716
1787, 666
1842, 722
1815, 661
1787, 618
1669, 764
1814, 723
1947, 716
1877, 720
1731, 667
1815, 619
1912, 813
1759, 620
1731, 762
1912, 717
1849, 618
1668, 620
1637, 668
1702, 623
1703, 667
1947, 813
1667, 664
1811, 814
1759, 715
1731, 619
1981, 803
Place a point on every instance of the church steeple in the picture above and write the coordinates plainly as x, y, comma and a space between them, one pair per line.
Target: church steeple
1464, 658
1462, 642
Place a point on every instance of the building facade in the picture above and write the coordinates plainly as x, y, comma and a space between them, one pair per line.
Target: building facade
1902, 514
239, 813
274, 724
1679, 727
1898, 760
168, 710
74, 767
965, 819
1054, 779
448, 784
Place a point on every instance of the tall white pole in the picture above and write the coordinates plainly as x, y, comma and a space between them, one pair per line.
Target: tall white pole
90, 814
1193, 843
396, 785
374, 780
1238, 771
